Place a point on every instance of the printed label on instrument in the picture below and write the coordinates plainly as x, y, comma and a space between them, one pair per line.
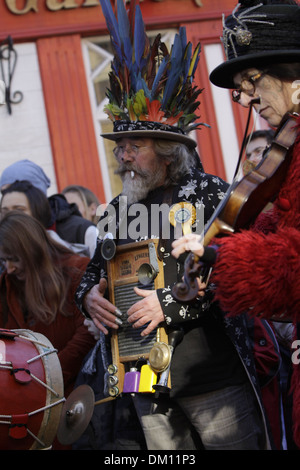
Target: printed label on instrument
129, 263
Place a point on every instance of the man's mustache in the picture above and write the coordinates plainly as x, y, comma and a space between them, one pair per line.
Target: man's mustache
127, 167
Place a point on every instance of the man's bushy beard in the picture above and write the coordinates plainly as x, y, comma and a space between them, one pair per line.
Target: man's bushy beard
144, 181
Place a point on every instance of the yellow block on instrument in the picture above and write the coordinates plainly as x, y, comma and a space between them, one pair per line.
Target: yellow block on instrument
147, 380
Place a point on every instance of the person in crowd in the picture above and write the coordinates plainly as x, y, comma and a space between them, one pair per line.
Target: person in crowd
215, 397
25, 197
256, 144
66, 219
257, 270
86, 201
25, 170
37, 290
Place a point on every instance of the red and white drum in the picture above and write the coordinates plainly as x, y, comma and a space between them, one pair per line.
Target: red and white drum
31, 391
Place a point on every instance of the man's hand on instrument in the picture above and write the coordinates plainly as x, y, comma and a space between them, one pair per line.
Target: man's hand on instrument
146, 310
100, 309
189, 242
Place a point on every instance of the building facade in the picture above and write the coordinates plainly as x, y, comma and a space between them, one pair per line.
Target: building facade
59, 81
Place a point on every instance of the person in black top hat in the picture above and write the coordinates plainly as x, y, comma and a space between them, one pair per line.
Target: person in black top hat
257, 270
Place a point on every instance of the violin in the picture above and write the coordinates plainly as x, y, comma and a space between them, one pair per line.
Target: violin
243, 202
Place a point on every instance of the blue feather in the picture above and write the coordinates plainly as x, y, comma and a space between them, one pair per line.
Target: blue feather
182, 35
171, 83
176, 52
186, 53
175, 70
142, 85
124, 33
112, 25
139, 38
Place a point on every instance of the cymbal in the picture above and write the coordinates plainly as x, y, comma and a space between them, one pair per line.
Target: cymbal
76, 414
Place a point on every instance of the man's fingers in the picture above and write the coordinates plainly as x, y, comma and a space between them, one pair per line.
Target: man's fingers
102, 285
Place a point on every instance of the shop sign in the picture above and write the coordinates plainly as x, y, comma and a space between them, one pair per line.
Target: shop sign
52, 5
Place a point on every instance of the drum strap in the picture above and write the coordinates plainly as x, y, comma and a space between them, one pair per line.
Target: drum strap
18, 426
21, 372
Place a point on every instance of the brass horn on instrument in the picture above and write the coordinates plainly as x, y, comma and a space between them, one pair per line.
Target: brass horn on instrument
146, 274
174, 337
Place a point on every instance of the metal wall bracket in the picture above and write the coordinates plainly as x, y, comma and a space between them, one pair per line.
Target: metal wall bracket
8, 61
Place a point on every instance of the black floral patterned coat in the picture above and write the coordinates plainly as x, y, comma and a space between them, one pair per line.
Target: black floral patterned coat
216, 351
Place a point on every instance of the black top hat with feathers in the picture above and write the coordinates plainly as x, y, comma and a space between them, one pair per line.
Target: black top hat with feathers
151, 92
258, 33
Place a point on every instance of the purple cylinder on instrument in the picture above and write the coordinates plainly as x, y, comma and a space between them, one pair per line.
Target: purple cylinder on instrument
131, 381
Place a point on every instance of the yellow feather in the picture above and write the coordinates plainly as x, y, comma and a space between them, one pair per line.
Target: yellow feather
193, 60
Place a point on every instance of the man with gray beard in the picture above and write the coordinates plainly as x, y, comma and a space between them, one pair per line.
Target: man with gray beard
207, 373
154, 173
137, 181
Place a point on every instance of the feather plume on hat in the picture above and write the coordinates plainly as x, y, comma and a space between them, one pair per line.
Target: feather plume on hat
147, 82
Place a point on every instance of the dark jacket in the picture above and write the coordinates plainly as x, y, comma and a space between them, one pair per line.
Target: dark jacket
67, 220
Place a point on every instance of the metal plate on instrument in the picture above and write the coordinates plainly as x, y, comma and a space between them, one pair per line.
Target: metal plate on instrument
131, 343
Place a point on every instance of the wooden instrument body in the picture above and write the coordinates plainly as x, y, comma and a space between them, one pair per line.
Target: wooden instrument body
127, 345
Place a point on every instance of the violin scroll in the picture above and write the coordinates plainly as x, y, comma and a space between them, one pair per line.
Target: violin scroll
187, 290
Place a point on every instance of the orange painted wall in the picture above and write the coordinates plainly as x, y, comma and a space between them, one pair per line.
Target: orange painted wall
69, 114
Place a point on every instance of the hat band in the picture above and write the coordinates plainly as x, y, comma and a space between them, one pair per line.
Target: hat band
125, 126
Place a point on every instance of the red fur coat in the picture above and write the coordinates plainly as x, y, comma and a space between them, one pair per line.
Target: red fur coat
258, 270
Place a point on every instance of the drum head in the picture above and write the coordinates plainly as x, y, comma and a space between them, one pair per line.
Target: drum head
31, 391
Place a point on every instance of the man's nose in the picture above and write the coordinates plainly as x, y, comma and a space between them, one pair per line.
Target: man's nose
127, 155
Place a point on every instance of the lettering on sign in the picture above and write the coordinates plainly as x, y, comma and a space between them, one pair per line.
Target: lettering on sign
52, 5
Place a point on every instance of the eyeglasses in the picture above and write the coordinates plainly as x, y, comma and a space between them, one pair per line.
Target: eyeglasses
130, 149
248, 86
